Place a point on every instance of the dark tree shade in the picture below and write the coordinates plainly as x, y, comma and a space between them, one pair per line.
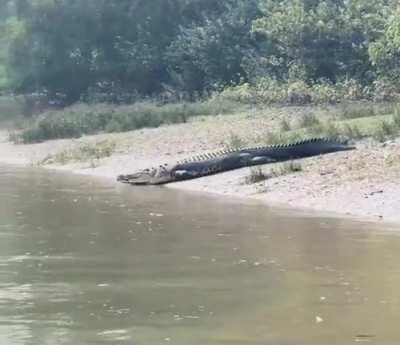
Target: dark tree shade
116, 50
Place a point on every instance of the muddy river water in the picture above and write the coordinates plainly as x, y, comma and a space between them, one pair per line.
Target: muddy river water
87, 261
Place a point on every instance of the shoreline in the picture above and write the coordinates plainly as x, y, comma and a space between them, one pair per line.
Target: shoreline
363, 184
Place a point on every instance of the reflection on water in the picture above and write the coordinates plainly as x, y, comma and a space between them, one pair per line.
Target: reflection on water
90, 262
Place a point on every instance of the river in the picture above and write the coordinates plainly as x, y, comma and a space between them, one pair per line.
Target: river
87, 261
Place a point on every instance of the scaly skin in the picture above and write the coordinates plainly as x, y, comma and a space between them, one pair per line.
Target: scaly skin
225, 160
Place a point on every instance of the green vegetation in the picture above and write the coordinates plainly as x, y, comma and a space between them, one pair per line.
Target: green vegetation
80, 119
122, 51
291, 51
110, 65
10, 108
284, 125
380, 127
393, 159
257, 175
396, 117
309, 120
235, 142
266, 90
83, 152
286, 168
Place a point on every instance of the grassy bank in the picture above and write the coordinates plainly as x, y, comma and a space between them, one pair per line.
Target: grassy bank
347, 99
260, 127
81, 119
345, 120
381, 122
379, 127
267, 91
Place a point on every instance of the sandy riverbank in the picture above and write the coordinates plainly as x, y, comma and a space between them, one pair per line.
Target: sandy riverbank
363, 183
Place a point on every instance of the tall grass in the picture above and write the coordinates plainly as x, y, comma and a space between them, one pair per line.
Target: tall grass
297, 92
308, 120
83, 152
355, 110
77, 120
235, 142
385, 130
257, 175
380, 128
10, 107
284, 125
396, 116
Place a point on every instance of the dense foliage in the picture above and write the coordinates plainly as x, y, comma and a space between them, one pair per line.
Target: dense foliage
121, 51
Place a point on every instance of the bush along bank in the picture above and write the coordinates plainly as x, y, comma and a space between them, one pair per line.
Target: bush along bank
352, 99
81, 119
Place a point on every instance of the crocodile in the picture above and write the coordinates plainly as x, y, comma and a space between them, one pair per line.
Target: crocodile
225, 160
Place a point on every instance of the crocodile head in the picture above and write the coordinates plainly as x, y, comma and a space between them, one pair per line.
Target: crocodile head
159, 175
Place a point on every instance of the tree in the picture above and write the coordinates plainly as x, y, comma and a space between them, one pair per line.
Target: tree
71, 46
117, 50
385, 51
210, 53
8, 26
323, 39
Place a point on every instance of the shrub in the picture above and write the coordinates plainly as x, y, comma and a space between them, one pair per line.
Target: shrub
80, 119
355, 110
327, 129
256, 175
83, 152
351, 132
235, 142
264, 91
9, 108
324, 93
269, 91
308, 120
385, 130
299, 93
243, 93
385, 90
396, 117
284, 125
379, 135
351, 90
286, 169
331, 130
270, 138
